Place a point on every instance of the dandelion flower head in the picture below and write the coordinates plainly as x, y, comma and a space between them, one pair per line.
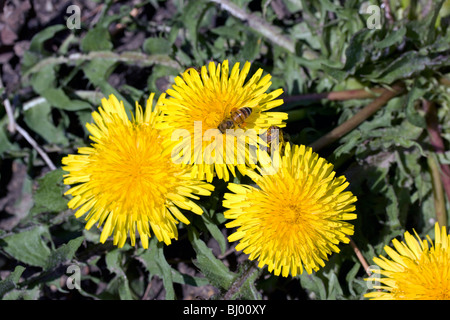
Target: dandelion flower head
418, 269
200, 101
293, 219
126, 180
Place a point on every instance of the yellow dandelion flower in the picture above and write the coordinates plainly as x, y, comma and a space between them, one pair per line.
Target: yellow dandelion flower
127, 180
295, 217
418, 270
202, 105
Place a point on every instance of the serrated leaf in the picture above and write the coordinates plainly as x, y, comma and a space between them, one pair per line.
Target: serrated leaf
441, 44
391, 38
28, 246
213, 269
183, 278
36, 49
97, 71
229, 31
23, 294
97, 39
64, 253
45, 84
119, 286
412, 114
313, 284
120, 282
303, 31
59, 99
38, 120
114, 261
49, 194
351, 141
334, 72
350, 278
247, 291
44, 79
157, 46
124, 289
156, 263
215, 231
166, 271
292, 73
356, 51
429, 25
334, 287
37, 43
427, 210
5, 144
407, 65
160, 79
11, 281
192, 16
392, 209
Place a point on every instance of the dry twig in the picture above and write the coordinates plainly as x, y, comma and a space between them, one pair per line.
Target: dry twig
358, 118
259, 25
13, 126
360, 257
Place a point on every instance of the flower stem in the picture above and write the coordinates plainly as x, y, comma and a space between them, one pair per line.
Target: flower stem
336, 95
360, 257
438, 191
344, 95
358, 118
250, 271
438, 146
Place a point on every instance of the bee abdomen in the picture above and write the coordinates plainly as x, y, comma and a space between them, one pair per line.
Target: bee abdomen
240, 115
224, 125
270, 134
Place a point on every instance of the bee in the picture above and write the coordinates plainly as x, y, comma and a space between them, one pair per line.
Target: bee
225, 124
272, 133
270, 136
237, 118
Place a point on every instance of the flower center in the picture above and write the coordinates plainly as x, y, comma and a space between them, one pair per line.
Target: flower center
215, 107
130, 170
212, 119
293, 213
